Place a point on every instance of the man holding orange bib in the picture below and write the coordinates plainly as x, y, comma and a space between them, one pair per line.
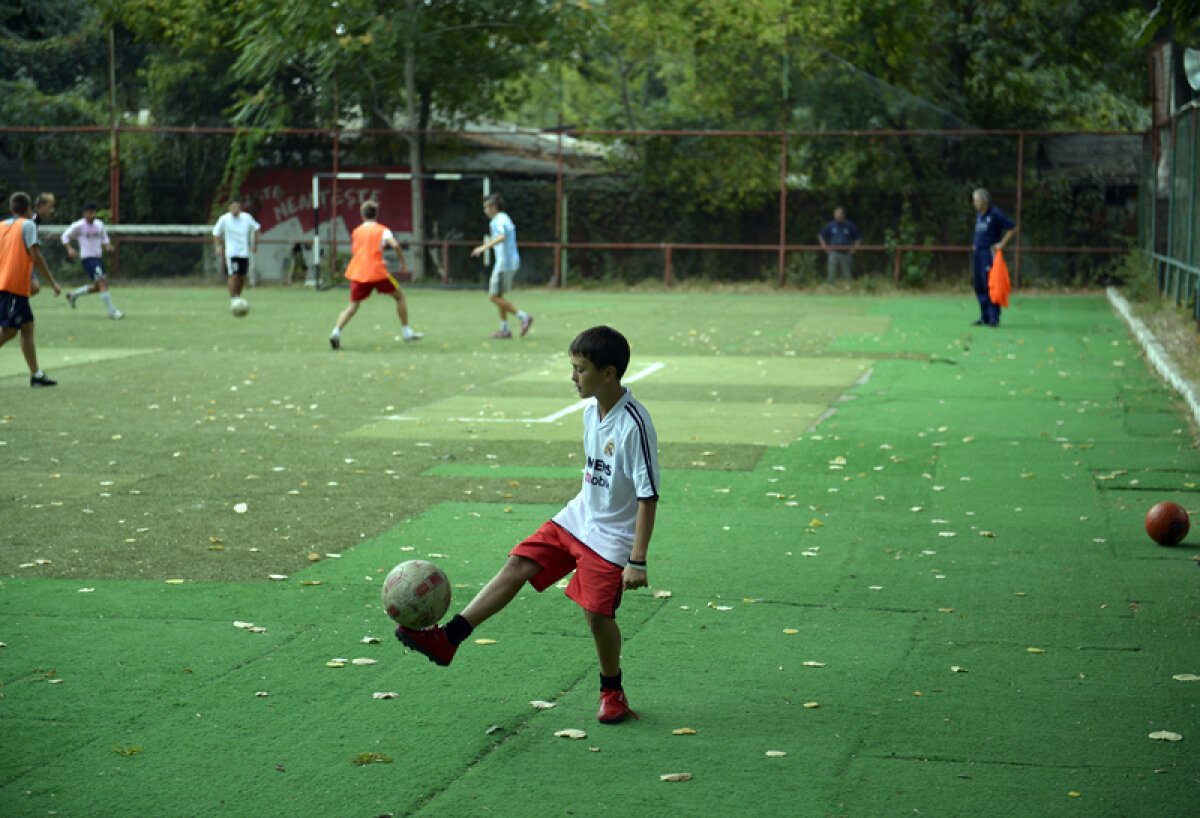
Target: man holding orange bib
368, 273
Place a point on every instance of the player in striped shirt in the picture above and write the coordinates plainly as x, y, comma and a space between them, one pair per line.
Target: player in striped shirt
602, 534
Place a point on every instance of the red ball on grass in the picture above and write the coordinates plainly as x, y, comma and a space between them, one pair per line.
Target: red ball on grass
1167, 523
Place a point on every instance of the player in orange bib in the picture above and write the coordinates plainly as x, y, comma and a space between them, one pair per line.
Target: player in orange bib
368, 273
19, 254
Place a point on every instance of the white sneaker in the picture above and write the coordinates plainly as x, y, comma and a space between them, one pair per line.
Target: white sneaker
71, 299
116, 315
416, 336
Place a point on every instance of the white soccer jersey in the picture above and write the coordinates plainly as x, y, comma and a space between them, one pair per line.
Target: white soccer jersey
237, 233
621, 468
91, 237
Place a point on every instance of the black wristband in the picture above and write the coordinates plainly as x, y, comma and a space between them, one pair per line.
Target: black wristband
636, 564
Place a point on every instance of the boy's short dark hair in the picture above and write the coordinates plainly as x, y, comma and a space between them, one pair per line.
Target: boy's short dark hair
90, 206
369, 210
604, 347
495, 200
18, 203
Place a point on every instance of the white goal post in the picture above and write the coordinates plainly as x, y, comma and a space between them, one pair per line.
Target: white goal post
390, 177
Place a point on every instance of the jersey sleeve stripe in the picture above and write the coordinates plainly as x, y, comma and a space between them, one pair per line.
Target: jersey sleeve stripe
647, 454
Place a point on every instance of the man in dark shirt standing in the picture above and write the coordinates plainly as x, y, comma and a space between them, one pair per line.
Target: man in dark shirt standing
993, 229
840, 237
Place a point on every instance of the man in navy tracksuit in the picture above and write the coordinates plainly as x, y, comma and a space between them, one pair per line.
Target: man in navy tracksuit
993, 229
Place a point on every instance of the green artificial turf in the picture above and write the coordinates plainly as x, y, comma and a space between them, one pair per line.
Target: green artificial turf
867, 485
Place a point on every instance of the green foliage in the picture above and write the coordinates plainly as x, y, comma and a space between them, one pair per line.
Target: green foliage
914, 265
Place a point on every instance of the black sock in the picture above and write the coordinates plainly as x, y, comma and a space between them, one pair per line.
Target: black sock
610, 682
458, 629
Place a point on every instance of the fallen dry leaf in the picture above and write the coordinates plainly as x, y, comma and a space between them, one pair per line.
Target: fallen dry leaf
335, 664
1166, 735
775, 754
661, 594
240, 624
387, 695
369, 640
790, 631
485, 641
1186, 677
362, 661
812, 705
675, 777
684, 731
570, 733
1035, 650
814, 664
957, 669
543, 705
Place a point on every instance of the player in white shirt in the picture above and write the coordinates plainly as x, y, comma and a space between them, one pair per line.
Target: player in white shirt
602, 534
503, 236
236, 237
93, 240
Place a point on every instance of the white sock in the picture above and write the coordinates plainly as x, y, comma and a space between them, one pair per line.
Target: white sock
107, 296
79, 291
522, 314
504, 326
406, 329
337, 333
39, 374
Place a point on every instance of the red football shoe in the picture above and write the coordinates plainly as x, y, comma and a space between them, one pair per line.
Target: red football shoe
432, 642
614, 707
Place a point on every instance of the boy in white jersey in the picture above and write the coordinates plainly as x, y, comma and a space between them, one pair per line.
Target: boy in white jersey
602, 534
93, 240
235, 235
504, 238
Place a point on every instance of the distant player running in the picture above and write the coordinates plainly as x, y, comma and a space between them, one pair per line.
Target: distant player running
93, 240
20, 252
368, 273
504, 238
236, 236
602, 535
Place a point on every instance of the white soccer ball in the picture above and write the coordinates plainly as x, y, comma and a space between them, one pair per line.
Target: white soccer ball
416, 594
239, 307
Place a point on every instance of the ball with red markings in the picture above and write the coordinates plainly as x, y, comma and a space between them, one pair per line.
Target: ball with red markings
1167, 523
416, 594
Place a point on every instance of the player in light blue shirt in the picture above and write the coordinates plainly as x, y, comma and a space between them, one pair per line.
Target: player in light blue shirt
503, 237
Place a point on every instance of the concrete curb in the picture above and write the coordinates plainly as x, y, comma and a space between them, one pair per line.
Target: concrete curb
1156, 353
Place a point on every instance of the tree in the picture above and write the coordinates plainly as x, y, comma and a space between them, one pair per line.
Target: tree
455, 57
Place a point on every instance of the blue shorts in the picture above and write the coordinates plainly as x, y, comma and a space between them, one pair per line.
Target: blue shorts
94, 267
14, 310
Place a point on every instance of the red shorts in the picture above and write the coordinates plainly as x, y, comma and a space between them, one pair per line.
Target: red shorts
361, 290
597, 583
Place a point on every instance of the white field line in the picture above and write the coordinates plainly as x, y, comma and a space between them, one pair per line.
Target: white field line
649, 369
1156, 353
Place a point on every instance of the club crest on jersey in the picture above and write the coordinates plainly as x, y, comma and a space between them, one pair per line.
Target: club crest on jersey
609, 448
